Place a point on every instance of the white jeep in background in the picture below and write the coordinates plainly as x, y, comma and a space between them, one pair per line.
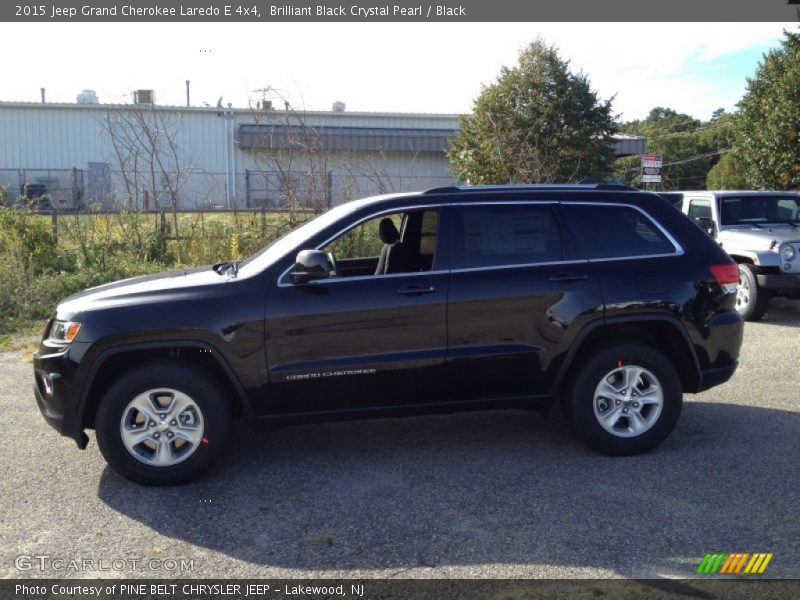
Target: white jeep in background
761, 232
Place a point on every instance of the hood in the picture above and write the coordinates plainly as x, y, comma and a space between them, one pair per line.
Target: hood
765, 238
173, 285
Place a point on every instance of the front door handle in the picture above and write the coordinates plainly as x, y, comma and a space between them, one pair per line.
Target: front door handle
568, 277
416, 290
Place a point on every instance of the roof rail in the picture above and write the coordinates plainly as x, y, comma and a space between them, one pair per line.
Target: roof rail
455, 189
450, 189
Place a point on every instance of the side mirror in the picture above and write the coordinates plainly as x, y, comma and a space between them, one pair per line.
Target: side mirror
310, 265
707, 225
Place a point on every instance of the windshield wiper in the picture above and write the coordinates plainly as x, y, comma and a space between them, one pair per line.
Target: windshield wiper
231, 266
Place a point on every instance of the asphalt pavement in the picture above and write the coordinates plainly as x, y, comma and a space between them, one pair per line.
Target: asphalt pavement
496, 494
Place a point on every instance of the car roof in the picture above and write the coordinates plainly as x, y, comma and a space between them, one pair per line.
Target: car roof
589, 192
523, 187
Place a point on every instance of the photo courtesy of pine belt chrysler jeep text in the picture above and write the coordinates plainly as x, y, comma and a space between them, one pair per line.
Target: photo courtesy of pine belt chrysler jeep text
600, 297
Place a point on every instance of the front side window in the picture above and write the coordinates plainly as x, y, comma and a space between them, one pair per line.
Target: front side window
500, 235
400, 242
612, 231
364, 240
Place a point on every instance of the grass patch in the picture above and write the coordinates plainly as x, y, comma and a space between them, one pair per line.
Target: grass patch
41, 264
21, 336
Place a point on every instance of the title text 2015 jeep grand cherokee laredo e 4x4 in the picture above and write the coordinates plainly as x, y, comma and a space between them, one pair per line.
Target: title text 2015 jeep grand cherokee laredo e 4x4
761, 232
451, 299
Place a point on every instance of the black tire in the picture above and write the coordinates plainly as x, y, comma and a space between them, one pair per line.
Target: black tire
190, 380
578, 401
753, 305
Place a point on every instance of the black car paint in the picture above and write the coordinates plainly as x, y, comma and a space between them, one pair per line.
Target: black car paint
442, 340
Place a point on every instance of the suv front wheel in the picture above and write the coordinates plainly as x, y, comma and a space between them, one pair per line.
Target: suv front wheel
162, 423
624, 399
752, 301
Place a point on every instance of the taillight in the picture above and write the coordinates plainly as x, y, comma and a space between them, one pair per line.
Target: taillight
726, 275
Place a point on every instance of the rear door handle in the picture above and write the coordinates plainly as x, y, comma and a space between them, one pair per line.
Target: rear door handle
416, 290
567, 277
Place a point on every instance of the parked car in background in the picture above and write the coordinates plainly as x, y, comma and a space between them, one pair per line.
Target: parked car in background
761, 232
599, 296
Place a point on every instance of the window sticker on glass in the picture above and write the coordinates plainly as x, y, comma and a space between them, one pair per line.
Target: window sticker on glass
513, 233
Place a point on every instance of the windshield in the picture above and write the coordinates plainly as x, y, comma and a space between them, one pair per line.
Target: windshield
295, 238
749, 210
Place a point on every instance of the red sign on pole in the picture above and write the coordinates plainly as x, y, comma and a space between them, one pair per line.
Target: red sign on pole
651, 168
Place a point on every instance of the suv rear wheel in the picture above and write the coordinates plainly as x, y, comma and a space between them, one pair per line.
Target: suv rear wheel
752, 301
625, 399
162, 424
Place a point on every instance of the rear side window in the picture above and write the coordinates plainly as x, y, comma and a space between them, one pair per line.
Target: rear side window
608, 231
490, 236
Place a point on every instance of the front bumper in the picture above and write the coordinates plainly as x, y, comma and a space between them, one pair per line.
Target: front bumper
778, 281
67, 426
55, 382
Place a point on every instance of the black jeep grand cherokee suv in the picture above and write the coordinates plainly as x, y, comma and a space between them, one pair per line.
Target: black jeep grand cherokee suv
466, 298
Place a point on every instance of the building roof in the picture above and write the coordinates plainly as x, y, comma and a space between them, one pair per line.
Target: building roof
330, 130
367, 139
237, 110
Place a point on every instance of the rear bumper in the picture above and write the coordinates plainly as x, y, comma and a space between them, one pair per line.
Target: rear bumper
778, 281
717, 376
718, 350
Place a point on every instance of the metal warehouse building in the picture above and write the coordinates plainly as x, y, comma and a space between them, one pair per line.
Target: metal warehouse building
145, 155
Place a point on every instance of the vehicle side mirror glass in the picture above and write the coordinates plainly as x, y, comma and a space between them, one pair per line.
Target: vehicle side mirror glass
707, 225
310, 265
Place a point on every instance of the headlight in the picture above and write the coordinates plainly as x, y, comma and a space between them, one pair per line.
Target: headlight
63, 332
788, 252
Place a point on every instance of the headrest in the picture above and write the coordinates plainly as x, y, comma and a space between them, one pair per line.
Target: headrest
388, 232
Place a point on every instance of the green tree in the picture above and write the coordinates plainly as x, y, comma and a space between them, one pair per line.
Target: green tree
690, 147
719, 134
728, 174
539, 122
769, 118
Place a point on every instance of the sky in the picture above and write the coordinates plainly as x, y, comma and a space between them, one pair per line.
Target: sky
374, 67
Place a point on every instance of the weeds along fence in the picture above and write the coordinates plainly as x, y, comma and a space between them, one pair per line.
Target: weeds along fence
185, 224
47, 256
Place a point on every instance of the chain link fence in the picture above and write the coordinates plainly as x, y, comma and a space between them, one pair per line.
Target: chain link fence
61, 189
100, 188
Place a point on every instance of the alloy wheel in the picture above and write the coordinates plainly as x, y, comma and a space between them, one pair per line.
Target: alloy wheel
628, 401
162, 427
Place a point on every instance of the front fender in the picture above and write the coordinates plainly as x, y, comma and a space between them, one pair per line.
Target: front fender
762, 258
97, 358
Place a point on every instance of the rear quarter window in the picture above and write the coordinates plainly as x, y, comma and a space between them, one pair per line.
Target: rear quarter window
611, 231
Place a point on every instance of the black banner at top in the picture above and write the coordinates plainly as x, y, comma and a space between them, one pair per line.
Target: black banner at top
399, 10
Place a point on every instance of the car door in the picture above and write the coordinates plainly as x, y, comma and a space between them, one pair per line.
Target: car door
359, 340
633, 256
518, 294
700, 212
